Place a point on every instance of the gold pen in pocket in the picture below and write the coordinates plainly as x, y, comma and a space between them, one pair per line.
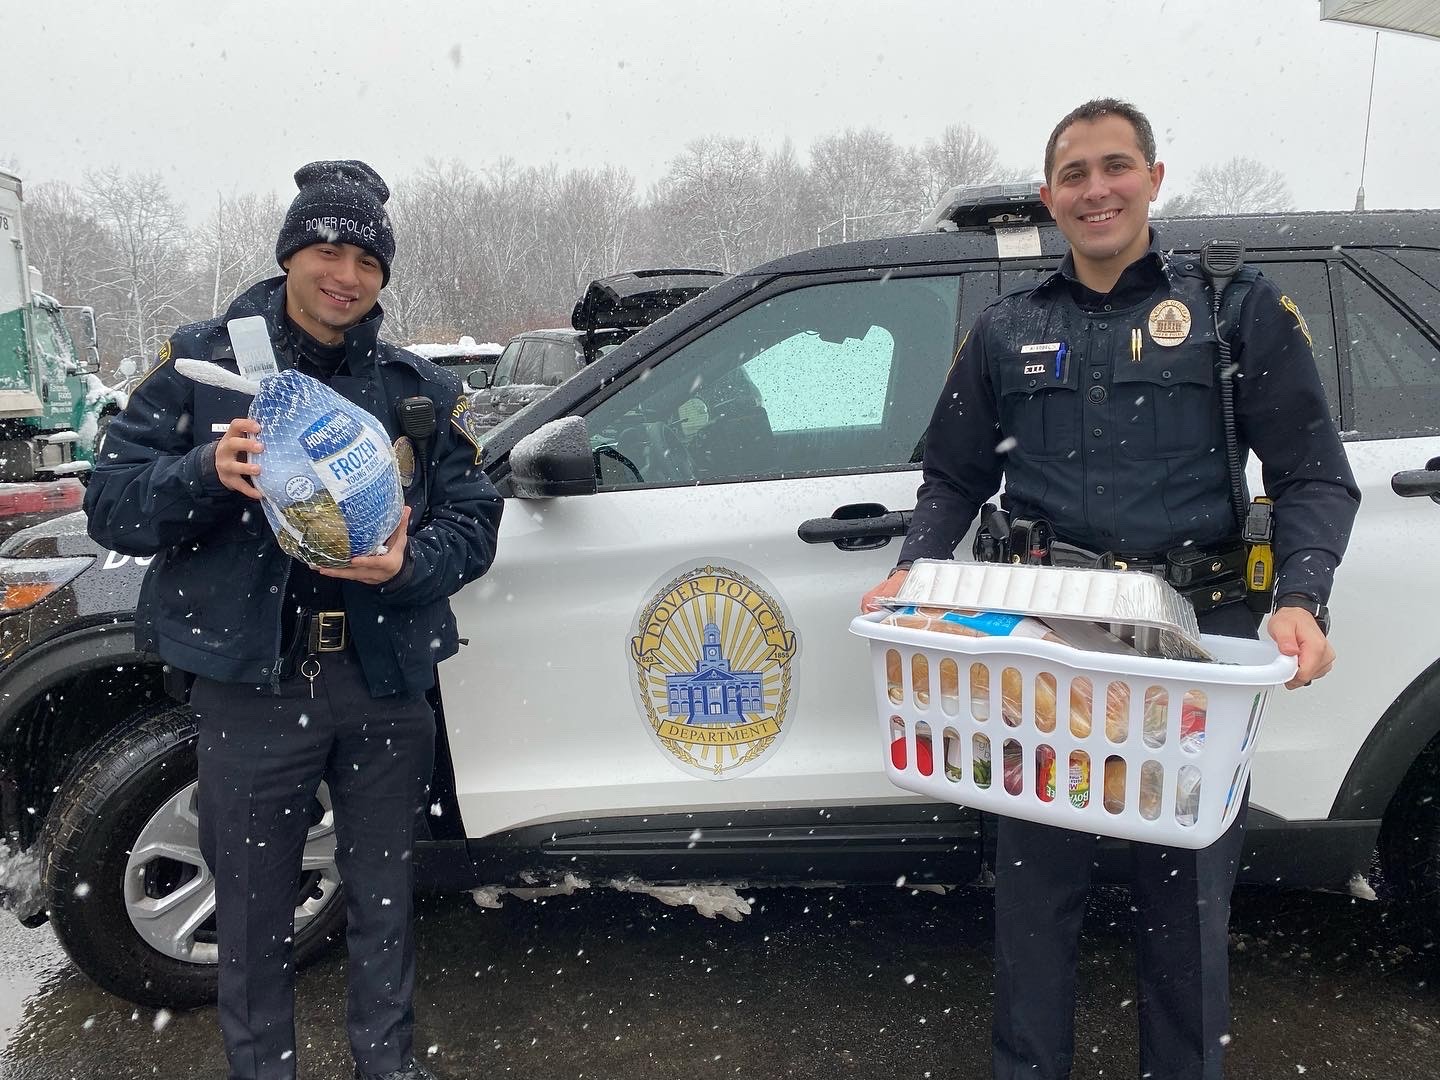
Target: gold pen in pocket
1135, 345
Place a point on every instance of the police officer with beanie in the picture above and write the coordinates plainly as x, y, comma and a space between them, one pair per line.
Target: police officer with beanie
302, 673
1095, 393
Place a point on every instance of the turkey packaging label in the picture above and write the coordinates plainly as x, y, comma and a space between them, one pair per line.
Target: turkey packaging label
330, 486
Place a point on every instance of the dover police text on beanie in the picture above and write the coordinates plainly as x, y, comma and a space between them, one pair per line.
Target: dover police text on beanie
340, 202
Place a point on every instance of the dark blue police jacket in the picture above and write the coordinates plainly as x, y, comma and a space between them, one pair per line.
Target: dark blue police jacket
1105, 419
212, 598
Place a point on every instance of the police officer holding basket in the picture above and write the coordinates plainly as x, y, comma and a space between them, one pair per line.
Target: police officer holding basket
1102, 396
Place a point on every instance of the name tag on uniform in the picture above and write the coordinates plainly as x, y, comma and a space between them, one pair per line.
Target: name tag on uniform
219, 429
1034, 369
1049, 346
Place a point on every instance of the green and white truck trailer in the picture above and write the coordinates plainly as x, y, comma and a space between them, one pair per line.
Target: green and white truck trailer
53, 404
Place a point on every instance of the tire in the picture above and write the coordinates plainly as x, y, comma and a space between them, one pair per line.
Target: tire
129, 895
1410, 847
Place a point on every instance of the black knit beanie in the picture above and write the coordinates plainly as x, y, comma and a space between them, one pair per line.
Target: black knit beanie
340, 202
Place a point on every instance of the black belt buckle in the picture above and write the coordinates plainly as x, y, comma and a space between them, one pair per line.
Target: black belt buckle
327, 632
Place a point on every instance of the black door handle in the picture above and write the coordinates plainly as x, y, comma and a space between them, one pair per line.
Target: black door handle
1416, 482
856, 527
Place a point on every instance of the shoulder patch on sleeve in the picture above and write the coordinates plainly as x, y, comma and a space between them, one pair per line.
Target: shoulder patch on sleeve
1290, 306
958, 350
466, 422
162, 358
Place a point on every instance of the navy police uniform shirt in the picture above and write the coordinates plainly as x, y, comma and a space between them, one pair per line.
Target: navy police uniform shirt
1102, 414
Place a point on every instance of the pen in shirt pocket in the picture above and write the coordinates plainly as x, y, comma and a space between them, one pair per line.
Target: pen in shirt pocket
1060, 360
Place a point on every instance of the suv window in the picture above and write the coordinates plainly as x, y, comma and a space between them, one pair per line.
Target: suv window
561, 360
527, 368
1308, 284
505, 366
1394, 369
804, 383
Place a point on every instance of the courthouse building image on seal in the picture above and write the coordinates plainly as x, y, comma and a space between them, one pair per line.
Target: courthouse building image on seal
714, 694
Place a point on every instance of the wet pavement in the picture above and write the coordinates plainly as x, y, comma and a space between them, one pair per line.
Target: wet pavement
815, 984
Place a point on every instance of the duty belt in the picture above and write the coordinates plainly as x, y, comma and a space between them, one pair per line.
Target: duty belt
1209, 576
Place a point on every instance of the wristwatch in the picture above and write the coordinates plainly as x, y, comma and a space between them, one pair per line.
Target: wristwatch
1310, 604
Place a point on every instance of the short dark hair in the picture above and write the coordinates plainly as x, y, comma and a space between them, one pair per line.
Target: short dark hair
1094, 110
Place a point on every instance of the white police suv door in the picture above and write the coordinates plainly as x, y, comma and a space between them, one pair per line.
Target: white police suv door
671, 643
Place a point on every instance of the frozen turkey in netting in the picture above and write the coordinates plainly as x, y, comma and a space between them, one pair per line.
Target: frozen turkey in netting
328, 478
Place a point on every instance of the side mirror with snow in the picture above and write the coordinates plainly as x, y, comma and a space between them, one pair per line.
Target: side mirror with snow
554, 460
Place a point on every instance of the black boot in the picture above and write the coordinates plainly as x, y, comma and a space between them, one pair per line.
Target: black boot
412, 1071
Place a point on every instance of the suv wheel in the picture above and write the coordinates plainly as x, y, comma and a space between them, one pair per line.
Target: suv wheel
129, 894
1410, 845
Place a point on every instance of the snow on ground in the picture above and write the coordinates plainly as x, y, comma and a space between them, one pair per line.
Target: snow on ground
20, 889
708, 900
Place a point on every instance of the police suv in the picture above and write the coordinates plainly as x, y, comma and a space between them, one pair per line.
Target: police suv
659, 681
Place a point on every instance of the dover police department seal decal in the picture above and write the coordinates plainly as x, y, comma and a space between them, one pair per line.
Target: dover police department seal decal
712, 652
1169, 323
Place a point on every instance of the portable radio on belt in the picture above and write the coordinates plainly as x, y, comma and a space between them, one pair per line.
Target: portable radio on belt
1259, 556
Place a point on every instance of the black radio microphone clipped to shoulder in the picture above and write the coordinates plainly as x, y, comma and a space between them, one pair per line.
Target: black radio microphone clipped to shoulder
416, 416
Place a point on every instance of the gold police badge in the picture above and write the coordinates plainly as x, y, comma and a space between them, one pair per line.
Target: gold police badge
1169, 323
405, 460
712, 652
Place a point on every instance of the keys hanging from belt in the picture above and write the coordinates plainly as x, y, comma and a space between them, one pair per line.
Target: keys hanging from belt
310, 667
326, 632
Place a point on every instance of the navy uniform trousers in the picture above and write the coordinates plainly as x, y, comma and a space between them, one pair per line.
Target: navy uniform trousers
261, 759
1182, 919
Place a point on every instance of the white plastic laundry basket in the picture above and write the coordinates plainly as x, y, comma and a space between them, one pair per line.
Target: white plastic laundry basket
1127, 746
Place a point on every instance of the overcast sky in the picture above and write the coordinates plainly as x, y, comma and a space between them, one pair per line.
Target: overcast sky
234, 94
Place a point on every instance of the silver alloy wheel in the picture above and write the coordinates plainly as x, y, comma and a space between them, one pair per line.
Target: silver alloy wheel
166, 859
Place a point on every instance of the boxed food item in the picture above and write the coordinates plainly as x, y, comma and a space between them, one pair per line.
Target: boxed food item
969, 623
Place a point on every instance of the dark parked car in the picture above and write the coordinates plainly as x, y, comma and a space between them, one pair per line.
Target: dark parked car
610, 310
463, 357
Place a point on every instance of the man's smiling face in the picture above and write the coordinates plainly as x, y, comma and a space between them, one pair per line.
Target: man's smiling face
1100, 191
331, 287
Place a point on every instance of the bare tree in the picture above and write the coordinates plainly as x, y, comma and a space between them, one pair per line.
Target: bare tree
1241, 186
509, 216
1186, 204
587, 227
436, 292
861, 178
791, 215
236, 246
64, 240
960, 156
147, 276
712, 202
